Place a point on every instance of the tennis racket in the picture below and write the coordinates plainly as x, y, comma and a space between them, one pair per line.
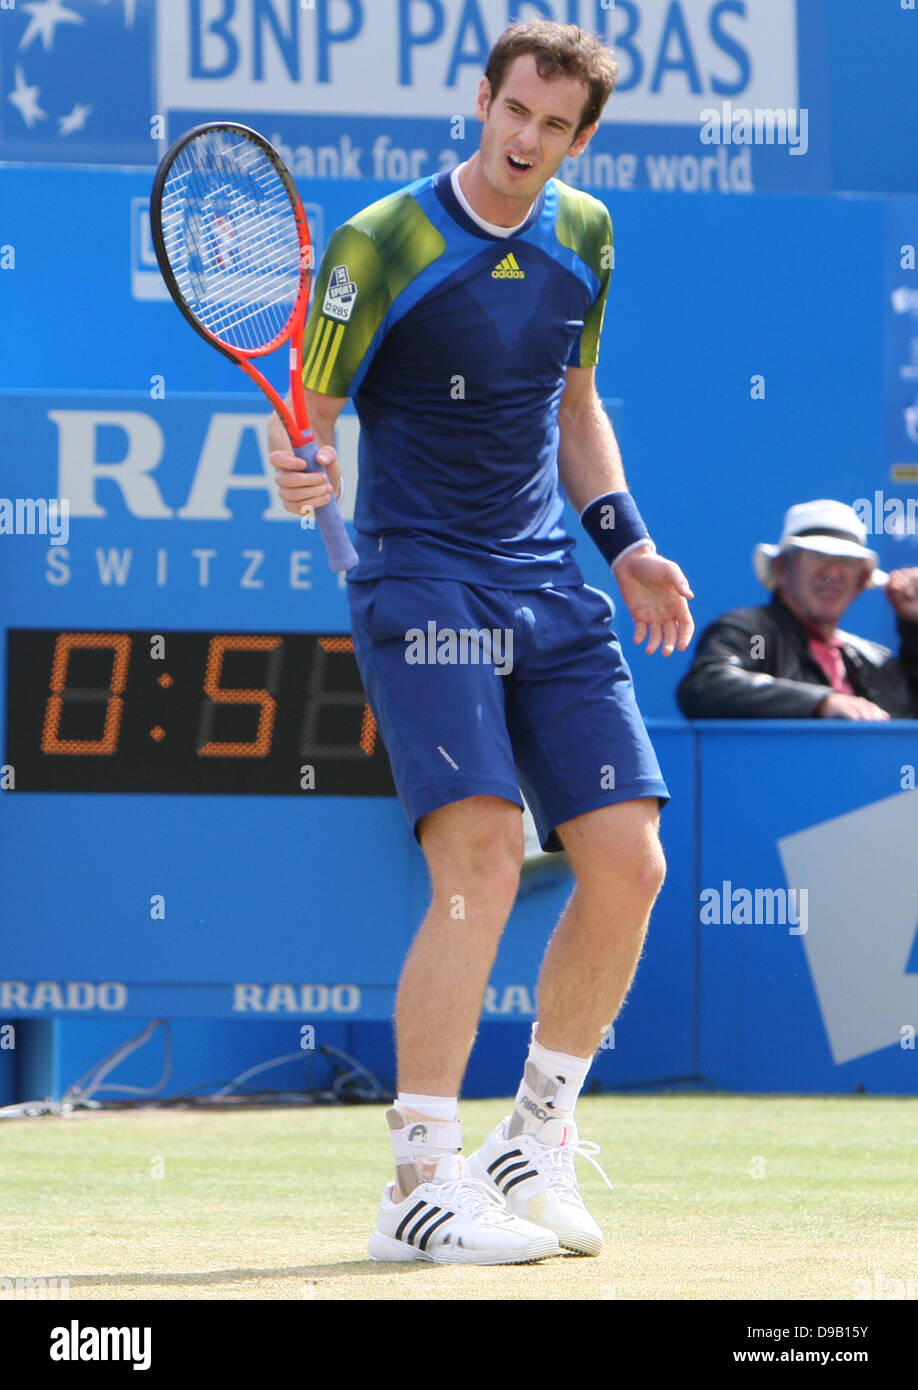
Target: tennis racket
233, 245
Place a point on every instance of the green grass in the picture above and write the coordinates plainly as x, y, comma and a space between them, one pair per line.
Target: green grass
278, 1204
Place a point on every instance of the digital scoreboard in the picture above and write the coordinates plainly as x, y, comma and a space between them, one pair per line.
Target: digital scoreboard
190, 712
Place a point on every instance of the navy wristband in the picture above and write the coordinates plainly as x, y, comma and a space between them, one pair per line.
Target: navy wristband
614, 524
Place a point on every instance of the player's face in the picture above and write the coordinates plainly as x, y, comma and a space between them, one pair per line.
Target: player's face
819, 588
532, 121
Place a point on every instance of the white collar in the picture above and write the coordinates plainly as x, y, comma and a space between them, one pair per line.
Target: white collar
479, 221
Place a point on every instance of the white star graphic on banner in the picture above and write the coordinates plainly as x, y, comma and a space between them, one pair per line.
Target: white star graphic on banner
76, 120
46, 15
25, 99
129, 10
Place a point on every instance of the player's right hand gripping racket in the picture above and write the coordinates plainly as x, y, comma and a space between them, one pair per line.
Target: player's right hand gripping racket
234, 248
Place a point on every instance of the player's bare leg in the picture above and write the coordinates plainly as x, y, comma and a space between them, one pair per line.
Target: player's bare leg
619, 867
474, 850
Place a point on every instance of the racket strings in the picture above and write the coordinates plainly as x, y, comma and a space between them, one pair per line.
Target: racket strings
248, 235
232, 240
246, 297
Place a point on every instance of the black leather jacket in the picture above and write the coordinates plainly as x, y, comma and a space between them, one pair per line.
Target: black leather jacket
755, 663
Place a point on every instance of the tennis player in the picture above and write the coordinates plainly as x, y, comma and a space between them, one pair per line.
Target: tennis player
462, 314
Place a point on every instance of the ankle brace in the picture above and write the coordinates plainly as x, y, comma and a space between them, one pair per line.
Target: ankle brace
419, 1140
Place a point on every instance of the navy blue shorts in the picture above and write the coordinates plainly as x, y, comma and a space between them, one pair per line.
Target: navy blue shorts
480, 691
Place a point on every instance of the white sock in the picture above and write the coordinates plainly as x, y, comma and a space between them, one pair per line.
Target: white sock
573, 1069
556, 1077
433, 1107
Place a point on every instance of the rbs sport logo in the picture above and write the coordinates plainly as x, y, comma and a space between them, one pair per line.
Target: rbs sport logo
341, 295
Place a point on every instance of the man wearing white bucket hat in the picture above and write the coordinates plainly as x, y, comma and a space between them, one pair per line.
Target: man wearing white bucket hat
788, 659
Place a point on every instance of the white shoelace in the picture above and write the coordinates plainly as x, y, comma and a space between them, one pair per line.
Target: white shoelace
559, 1163
472, 1197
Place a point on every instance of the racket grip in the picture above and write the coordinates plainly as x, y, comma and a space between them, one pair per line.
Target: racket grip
341, 554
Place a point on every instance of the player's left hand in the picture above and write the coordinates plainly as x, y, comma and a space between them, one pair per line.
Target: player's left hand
902, 592
657, 593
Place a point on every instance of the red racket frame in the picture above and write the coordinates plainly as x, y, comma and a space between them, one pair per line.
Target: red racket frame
296, 424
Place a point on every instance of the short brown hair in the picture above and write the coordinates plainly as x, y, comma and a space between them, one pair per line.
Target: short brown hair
560, 50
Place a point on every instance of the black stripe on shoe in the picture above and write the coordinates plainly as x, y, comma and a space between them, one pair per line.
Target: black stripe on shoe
422, 1244
511, 1153
520, 1177
418, 1206
431, 1211
511, 1168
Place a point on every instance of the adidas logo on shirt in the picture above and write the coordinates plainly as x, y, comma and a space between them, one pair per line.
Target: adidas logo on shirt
508, 269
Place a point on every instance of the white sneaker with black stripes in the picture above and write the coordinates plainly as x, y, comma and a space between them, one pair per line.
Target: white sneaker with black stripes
458, 1222
535, 1175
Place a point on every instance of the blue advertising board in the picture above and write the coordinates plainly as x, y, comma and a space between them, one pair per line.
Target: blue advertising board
782, 953
714, 96
808, 905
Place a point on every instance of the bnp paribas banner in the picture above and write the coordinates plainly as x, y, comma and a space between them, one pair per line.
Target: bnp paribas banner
714, 95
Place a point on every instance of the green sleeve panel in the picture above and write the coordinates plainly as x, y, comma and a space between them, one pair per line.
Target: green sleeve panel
382, 249
585, 227
335, 344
